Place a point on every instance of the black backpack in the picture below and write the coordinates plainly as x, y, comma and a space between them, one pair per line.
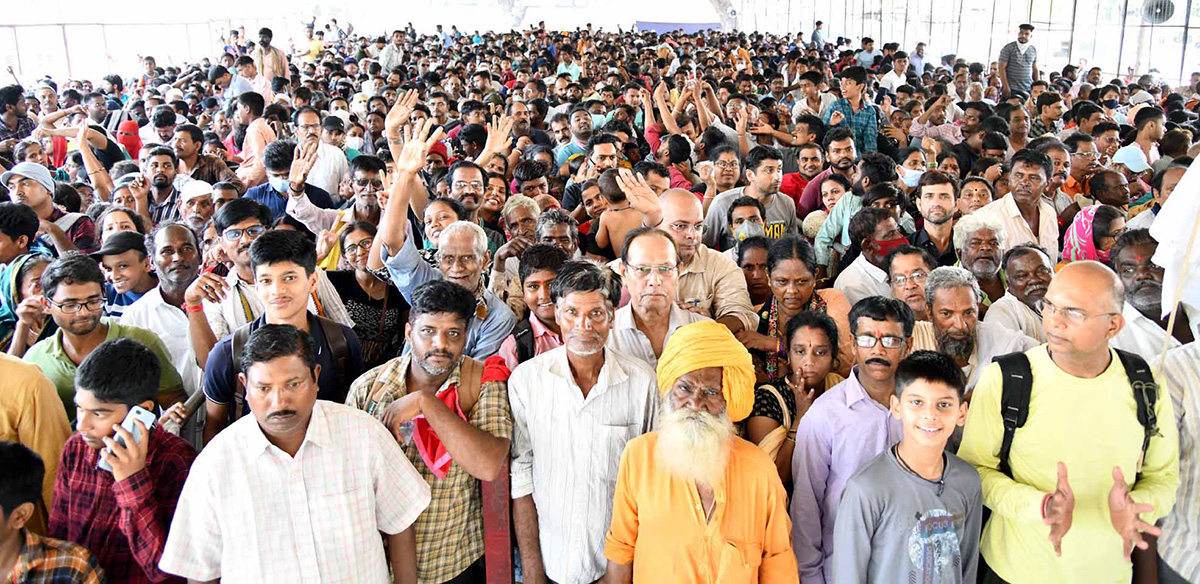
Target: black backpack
335, 337
523, 335
1018, 387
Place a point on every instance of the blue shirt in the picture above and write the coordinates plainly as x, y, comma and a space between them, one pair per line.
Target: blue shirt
562, 153
277, 201
863, 123
409, 270
220, 372
115, 304
237, 86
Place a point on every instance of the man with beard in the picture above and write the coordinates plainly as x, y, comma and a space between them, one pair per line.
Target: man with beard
937, 201
980, 241
467, 181
841, 155
269, 60
366, 183
523, 133
31, 184
877, 234
189, 140
176, 257
809, 162
1029, 272
1082, 429
160, 170
764, 170
1145, 327
560, 130
284, 264
574, 410
196, 204
1023, 214
15, 121
692, 492
907, 269
844, 428
581, 128
462, 424
73, 295
954, 328
649, 267
126, 266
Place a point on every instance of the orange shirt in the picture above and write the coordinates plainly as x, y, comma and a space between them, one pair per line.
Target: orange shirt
1073, 187
659, 526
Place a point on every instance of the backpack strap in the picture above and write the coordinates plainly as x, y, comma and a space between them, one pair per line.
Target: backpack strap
66, 222
335, 337
237, 344
1145, 393
523, 335
470, 383
1014, 400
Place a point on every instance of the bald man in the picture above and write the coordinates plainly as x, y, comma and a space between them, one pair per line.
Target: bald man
1066, 510
710, 283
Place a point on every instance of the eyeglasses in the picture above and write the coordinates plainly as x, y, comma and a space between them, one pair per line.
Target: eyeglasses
374, 183
868, 341
643, 272
685, 227
915, 277
1073, 316
462, 185
308, 127
72, 307
1088, 155
726, 164
363, 246
251, 232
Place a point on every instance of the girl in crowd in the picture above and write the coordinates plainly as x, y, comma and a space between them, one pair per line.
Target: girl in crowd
1093, 233
19, 280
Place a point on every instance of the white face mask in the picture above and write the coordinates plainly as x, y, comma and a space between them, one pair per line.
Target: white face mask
353, 142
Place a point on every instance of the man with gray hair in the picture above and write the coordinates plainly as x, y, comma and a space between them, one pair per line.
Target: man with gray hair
518, 217
979, 240
557, 227
1145, 329
574, 408
1029, 272
953, 329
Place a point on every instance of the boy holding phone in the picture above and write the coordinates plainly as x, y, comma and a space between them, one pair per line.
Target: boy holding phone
122, 516
914, 513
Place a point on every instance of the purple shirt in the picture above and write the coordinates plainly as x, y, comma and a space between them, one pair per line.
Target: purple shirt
844, 420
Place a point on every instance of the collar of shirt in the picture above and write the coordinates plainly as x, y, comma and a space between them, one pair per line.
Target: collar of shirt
855, 392
539, 330
316, 433
698, 262
624, 319
871, 269
612, 374
56, 341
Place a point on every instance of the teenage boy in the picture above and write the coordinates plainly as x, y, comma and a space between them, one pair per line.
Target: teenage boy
24, 555
914, 512
126, 266
284, 264
122, 515
538, 332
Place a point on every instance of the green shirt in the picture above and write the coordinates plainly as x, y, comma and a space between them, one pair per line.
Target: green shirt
60, 369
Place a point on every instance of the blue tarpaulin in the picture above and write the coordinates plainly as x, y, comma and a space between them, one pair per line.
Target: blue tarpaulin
686, 27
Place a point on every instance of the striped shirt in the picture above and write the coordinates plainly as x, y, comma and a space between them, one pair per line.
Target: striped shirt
1179, 544
1019, 67
567, 448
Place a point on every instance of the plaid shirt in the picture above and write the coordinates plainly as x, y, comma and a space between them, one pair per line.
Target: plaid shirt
52, 561
864, 123
450, 531
25, 127
124, 523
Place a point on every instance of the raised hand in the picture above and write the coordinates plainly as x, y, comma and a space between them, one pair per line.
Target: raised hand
1123, 511
416, 145
836, 118
639, 193
399, 114
302, 164
1060, 510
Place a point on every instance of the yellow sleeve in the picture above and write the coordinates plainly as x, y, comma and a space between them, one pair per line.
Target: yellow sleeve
622, 534
982, 436
778, 562
1159, 478
44, 428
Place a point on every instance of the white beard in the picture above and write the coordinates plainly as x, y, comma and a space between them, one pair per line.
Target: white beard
694, 445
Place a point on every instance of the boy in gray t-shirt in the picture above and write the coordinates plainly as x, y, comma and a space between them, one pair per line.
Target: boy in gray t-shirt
914, 513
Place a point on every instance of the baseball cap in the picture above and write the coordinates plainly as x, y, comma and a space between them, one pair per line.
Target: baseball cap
121, 242
31, 170
193, 189
1141, 96
1132, 157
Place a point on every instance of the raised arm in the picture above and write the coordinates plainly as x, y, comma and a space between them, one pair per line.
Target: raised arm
408, 161
101, 181
396, 118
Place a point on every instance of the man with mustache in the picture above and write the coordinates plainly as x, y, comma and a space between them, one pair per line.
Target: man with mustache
462, 426
321, 480
188, 143
1163, 184
846, 427
196, 204
954, 328
1145, 327
649, 267
285, 275
980, 241
1029, 273
126, 266
367, 174
937, 196
30, 183
764, 169
467, 181
1025, 216
72, 294
841, 155
684, 492
574, 409
907, 269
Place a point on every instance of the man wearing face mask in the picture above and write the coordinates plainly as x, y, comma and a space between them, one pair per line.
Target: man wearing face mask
1145, 327
1018, 63
764, 168
743, 220
367, 182
287, 169
877, 233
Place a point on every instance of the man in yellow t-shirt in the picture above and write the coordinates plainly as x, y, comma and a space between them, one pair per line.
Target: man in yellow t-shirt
1080, 496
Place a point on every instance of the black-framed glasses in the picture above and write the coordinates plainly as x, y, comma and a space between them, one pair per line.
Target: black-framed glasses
72, 306
251, 232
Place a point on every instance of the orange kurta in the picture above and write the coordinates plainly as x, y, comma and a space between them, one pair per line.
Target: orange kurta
659, 526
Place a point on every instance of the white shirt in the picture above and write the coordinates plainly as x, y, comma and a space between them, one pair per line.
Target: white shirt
1006, 211
1179, 544
891, 81
1143, 336
1015, 315
171, 325
330, 168
626, 338
251, 513
1143, 220
566, 450
862, 279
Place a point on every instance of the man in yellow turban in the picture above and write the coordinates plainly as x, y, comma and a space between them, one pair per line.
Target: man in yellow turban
711, 505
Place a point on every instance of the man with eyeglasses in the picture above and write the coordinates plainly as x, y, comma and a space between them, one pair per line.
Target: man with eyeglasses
649, 268
367, 174
467, 181
1029, 273
73, 294
331, 165
709, 282
844, 428
1088, 479
1085, 163
1145, 327
907, 268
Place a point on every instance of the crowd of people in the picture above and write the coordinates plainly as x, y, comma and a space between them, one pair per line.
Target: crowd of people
711, 307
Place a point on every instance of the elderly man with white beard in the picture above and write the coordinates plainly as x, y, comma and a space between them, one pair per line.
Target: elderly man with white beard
694, 502
980, 242
1145, 328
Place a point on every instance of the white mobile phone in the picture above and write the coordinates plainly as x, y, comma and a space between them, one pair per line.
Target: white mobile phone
135, 413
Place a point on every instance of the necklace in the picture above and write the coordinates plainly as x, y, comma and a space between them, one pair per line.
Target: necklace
625, 208
940, 481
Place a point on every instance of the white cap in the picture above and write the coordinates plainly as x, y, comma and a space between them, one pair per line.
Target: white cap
193, 189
